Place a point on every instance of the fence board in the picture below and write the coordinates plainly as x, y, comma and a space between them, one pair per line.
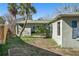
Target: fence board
1, 33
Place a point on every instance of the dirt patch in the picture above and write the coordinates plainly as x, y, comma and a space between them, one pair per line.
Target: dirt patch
50, 45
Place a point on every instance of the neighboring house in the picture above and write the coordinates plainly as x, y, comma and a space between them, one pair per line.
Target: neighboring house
65, 30
30, 26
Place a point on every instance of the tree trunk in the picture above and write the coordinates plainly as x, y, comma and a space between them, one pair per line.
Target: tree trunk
23, 28
14, 25
24, 24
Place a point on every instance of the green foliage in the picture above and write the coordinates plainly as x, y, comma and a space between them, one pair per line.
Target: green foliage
12, 7
1, 21
47, 33
43, 29
26, 10
40, 29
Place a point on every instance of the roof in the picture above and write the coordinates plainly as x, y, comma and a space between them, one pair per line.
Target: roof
62, 16
33, 21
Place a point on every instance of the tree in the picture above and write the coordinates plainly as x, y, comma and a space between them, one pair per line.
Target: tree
12, 8
68, 9
1, 20
27, 10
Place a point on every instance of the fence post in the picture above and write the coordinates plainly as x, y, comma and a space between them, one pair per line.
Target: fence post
5, 33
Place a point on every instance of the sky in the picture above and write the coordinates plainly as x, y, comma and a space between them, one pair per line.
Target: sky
43, 9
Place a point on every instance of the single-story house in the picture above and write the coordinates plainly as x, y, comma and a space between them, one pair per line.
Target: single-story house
30, 26
65, 30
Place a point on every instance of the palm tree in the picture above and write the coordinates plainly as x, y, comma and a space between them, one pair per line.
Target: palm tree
12, 8
27, 10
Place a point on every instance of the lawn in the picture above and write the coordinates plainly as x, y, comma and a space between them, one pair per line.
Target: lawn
24, 46
33, 46
50, 45
35, 40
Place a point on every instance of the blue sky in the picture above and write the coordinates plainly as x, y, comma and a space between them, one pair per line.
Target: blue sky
43, 9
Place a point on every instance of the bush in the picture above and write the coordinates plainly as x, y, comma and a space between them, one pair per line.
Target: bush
47, 33
40, 29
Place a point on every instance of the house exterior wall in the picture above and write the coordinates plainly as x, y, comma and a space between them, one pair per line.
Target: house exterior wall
56, 37
68, 41
29, 28
26, 32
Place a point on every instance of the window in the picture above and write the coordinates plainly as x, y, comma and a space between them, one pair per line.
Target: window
75, 31
74, 23
58, 28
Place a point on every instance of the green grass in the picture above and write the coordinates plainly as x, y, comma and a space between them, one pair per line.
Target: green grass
28, 39
21, 42
33, 39
11, 42
25, 42
3, 49
14, 42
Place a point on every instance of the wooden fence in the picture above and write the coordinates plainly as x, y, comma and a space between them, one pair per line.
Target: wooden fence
3, 33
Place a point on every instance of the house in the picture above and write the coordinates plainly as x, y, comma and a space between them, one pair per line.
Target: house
31, 26
65, 30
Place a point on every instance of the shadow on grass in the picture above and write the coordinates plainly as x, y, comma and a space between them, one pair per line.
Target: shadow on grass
17, 47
